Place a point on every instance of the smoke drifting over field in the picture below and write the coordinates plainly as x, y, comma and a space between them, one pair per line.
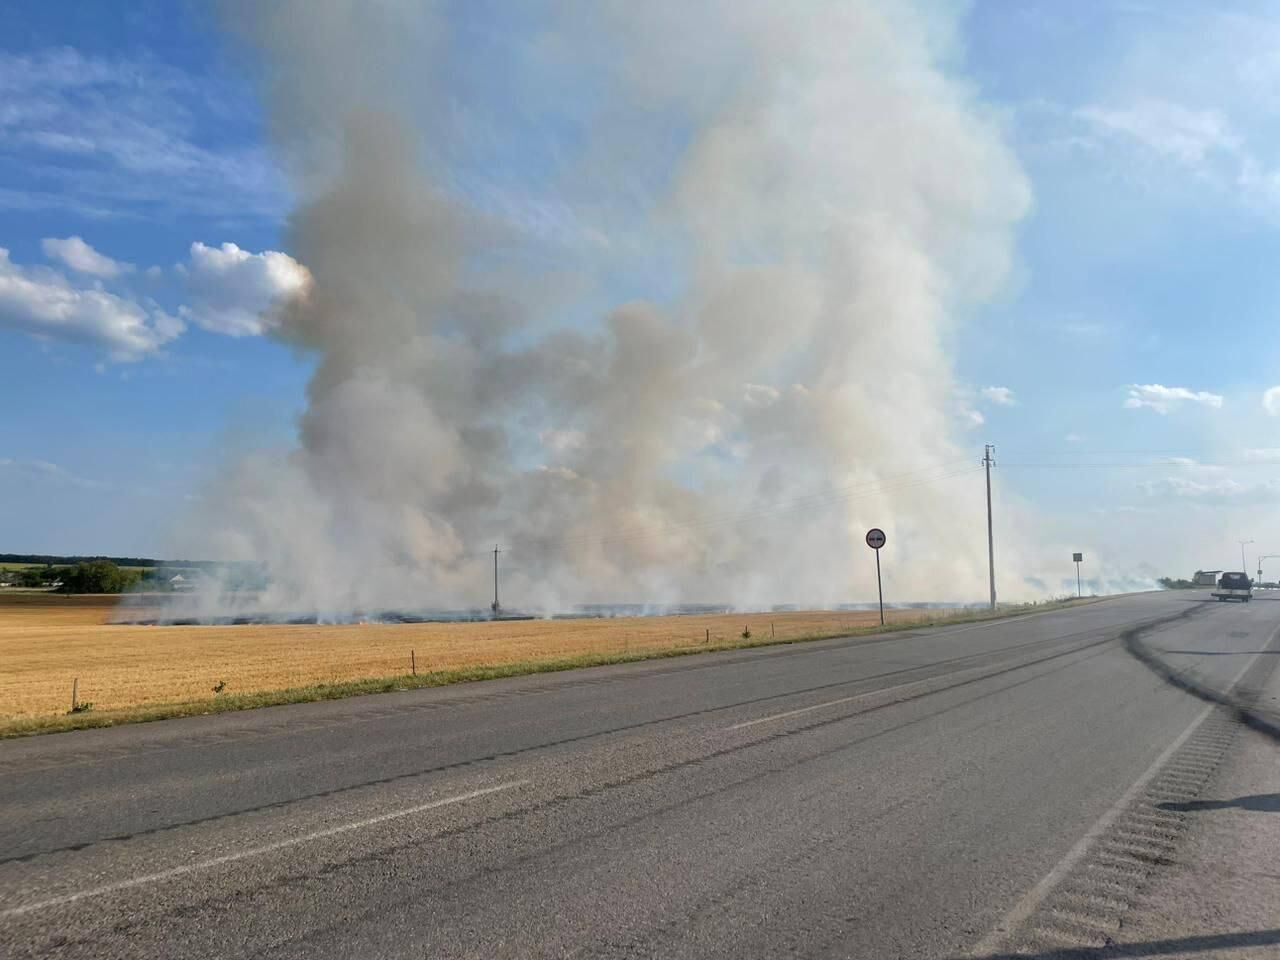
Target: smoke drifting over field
658, 296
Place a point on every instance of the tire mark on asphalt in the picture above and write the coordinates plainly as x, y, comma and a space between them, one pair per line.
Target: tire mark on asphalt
1240, 708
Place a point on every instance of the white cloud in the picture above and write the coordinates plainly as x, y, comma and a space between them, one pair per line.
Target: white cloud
79, 256
235, 292
1073, 438
1263, 455
966, 400
117, 137
1271, 401
45, 471
1215, 491
1000, 396
1078, 329
227, 290
562, 441
1186, 135
760, 395
45, 303
1163, 400
1204, 142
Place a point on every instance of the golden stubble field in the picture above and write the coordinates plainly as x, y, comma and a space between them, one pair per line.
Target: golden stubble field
46, 641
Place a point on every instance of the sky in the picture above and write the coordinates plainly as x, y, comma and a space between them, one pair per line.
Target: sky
1121, 365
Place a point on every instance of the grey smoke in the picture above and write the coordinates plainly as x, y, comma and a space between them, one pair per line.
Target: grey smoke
799, 202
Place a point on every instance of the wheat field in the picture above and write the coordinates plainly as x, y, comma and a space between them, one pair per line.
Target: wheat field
46, 641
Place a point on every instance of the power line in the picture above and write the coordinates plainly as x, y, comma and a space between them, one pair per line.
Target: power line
662, 526
1115, 464
543, 545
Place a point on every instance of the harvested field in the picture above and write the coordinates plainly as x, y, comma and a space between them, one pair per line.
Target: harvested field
47, 640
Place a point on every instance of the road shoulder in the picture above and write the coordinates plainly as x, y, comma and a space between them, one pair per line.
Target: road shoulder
1221, 899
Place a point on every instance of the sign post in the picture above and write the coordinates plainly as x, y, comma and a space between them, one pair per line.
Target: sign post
875, 540
1077, 557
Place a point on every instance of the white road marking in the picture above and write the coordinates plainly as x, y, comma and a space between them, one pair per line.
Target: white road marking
252, 851
1034, 897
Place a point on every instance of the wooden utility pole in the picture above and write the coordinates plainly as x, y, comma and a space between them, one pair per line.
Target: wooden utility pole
988, 461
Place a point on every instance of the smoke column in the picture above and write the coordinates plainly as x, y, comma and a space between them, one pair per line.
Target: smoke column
657, 296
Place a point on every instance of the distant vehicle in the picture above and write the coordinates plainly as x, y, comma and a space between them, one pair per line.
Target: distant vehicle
1206, 578
1234, 586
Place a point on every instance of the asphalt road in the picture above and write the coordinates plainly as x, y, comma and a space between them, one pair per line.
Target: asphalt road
874, 797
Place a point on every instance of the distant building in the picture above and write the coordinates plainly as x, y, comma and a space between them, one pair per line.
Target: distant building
179, 582
1206, 578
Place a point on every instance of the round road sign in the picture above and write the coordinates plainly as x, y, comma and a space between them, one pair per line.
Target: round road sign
875, 538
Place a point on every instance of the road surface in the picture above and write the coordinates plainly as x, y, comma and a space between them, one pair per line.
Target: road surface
922, 794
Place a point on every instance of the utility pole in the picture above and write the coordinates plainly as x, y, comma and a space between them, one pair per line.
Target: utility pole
495, 580
1243, 567
1265, 556
988, 461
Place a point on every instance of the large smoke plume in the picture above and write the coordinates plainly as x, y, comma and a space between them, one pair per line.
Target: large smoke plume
657, 296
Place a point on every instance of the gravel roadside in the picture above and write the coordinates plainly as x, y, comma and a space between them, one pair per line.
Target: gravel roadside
1221, 900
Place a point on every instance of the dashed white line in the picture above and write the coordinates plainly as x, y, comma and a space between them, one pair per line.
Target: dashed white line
253, 851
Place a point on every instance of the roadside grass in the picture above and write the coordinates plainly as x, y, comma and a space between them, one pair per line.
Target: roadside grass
226, 703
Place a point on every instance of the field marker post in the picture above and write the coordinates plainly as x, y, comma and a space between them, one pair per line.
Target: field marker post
413, 662
75, 690
708, 640
772, 634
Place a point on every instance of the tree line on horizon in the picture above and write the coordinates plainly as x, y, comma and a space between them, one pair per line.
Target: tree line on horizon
103, 575
56, 560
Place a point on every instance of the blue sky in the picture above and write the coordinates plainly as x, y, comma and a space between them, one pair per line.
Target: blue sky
1149, 132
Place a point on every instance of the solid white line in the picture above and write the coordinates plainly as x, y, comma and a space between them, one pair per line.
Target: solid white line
1034, 897
252, 851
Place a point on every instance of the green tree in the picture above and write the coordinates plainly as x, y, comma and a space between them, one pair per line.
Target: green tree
98, 576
